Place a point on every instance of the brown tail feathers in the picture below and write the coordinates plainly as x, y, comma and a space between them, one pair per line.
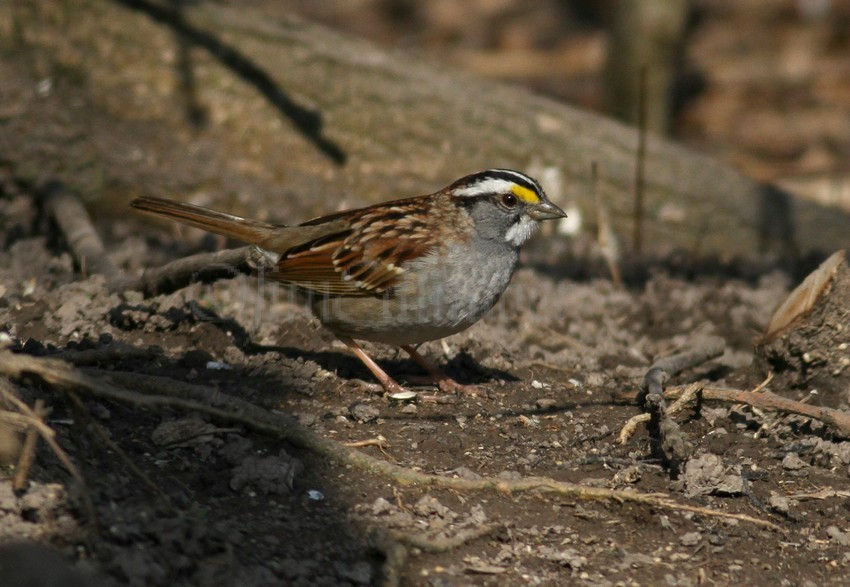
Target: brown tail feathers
242, 229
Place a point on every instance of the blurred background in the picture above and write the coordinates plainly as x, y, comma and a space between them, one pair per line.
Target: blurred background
251, 106
761, 84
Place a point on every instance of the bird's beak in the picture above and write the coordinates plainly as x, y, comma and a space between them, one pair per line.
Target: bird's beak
546, 211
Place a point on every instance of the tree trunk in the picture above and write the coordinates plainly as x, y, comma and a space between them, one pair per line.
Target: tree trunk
648, 37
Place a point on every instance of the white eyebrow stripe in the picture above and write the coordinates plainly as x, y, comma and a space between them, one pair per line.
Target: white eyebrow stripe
488, 186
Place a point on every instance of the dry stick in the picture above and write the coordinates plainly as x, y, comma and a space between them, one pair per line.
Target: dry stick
18, 422
605, 235
22, 470
767, 400
46, 432
640, 157
690, 393
230, 409
445, 543
49, 436
60, 374
203, 268
764, 383
73, 220
825, 493
381, 443
673, 443
665, 367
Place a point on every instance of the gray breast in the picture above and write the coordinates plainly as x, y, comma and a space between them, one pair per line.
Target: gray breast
456, 290
438, 296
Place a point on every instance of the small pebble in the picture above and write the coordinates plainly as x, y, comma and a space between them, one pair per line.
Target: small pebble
690, 539
363, 412
546, 403
836, 535
793, 462
218, 366
779, 503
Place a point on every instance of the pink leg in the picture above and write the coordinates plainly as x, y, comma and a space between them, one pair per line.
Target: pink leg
443, 381
390, 385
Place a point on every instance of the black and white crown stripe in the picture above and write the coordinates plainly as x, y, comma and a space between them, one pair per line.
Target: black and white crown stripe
494, 181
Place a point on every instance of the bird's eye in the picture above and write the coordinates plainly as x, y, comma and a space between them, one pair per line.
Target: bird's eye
509, 200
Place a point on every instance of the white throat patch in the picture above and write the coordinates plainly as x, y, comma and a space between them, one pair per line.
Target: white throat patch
521, 231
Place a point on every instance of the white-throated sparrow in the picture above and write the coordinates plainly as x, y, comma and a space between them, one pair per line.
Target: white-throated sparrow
400, 272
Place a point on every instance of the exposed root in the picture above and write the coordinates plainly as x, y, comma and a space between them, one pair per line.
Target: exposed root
445, 543
31, 418
380, 442
394, 554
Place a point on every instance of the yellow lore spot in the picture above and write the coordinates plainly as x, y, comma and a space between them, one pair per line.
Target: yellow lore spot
526, 195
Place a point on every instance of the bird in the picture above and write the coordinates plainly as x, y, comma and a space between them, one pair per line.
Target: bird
401, 272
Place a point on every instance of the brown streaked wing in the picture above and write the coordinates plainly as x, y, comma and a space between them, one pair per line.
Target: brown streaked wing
366, 259
310, 267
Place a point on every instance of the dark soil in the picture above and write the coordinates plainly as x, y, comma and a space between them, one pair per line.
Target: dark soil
231, 507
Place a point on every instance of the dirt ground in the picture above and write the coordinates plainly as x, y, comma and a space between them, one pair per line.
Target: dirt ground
214, 503
245, 509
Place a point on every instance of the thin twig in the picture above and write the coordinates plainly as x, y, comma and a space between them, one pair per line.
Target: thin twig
73, 220
200, 268
380, 442
445, 543
637, 240
605, 235
690, 393
822, 494
764, 383
49, 437
46, 432
22, 470
661, 370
